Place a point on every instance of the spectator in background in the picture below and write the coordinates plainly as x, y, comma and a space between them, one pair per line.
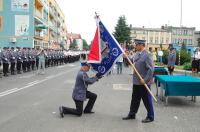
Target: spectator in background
195, 61
125, 60
131, 55
154, 56
171, 60
119, 64
160, 55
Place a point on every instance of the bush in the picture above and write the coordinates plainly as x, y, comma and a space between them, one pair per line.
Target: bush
185, 57
187, 66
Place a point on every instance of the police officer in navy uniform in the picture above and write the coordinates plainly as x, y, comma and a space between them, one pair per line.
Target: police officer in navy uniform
25, 59
5, 59
19, 60
144, 64
80, 93
29, 60
33, 58
0, 62
12, 60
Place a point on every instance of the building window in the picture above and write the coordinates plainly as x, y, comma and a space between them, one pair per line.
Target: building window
156, 40
167, 41
179, 32
185, 32
1, 23
1, 5
174, 32
151, 40
162, 40
189, 41
190, 32
185, 41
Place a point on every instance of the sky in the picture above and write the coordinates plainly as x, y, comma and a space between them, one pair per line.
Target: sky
79, 14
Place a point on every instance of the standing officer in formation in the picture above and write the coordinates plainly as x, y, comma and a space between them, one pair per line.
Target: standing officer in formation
19, 60
27, 59
5, 60
29, 54
12, 61
0, 63
144, 64
80, 93
33, 58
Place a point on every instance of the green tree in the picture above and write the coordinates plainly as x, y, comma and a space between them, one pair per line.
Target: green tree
73, 45
185, 57
122, 31
85, 45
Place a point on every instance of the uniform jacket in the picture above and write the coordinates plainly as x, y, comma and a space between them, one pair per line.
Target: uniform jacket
171, 59
13, 56
19, 56
5, 56
144, 64
81, 85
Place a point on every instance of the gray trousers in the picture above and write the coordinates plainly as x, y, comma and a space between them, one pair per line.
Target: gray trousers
41, 67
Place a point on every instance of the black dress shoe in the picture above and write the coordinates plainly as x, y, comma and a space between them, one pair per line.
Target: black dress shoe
61, 112
88, 112
5, 75
147, 120
129, 117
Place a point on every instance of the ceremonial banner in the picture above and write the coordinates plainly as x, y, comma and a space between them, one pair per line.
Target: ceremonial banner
109, 47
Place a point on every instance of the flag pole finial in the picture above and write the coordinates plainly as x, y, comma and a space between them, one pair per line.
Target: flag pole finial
96, 15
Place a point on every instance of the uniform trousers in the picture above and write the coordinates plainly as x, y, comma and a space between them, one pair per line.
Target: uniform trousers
24, 66
5, 68
28, 65
33, 65
12, 67
79, 105
19, 65
140, 92
119, 67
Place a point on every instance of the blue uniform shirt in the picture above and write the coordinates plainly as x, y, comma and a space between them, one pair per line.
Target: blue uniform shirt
81, 85
144, 64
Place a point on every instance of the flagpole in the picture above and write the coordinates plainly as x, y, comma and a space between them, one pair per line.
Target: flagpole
138, 74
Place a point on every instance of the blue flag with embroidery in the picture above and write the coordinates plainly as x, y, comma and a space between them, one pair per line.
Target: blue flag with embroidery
110, 51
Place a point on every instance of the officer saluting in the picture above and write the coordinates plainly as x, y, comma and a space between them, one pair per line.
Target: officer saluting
144, 64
